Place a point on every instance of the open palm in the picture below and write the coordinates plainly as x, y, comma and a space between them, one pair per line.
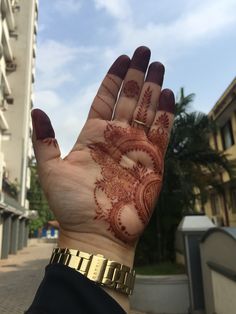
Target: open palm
110, 180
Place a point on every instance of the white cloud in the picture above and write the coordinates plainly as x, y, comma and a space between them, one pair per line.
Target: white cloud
48, 99
54, 55
119, 9
67, 6
200, 22
57, 61
68, 115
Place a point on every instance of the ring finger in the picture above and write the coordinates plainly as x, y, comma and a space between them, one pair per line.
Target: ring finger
132, 85
146, 108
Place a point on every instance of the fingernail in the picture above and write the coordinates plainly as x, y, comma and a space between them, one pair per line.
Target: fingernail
167, 101
140, 59
120, 66
42, 125
156, 73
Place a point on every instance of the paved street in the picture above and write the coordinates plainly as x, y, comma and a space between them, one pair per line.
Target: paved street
20, 276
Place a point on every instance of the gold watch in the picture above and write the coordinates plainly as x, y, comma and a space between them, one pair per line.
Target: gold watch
97, 268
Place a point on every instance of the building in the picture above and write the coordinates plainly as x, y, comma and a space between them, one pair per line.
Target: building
221, 206
18, 31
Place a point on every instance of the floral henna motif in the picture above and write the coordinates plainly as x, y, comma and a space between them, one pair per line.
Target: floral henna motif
128, 187
50, 141
145, 103
159, 135
131, 89
163, 121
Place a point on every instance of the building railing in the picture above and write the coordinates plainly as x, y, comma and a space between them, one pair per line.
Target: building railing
7, 51
8, 13
6, 85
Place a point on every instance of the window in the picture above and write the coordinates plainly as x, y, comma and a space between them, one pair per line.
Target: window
227, 135
215, 204
233, 199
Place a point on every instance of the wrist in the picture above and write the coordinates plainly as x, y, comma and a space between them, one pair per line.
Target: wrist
97, 244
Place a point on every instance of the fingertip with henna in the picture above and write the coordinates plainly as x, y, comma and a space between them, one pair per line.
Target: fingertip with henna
167, 101
155, 73
120, 66
140, 59
42, 125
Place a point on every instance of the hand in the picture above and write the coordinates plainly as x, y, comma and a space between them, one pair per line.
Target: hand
106, 187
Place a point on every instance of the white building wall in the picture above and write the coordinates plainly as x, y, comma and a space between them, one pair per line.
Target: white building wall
16, 145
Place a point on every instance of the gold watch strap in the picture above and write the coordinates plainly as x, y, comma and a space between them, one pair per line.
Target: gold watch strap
97, 268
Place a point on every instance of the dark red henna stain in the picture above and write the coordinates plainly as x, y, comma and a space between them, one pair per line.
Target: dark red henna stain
143, 107
131, 89
113, 81
126, 186
42, 125
162, 122
159, 135
140, 59
156, 73
167, 101
108, 90
120, 66
105, 102
50, 141
97, 112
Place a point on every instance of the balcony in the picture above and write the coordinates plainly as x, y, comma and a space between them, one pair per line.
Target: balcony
37, 7
34, 50
8, 13
33, 75
6, 86
7, 51
35, 27
32, 100
3, 122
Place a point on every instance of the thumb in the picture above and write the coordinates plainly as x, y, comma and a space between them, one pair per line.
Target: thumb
44, 142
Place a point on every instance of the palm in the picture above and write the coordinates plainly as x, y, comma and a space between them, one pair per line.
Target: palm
125, 175
110, 180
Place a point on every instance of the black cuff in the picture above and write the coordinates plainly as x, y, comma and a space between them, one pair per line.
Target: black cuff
65, 291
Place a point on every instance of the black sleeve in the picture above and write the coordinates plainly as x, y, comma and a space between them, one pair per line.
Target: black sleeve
65, 291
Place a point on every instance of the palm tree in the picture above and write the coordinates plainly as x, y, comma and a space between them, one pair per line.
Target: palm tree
191, 165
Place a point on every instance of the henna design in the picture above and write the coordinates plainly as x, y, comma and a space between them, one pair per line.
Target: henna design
97, 112
163, 121
131, 89
113, 81
127, 186
105, 102
108, 90
50, 141
159, 135
145, 103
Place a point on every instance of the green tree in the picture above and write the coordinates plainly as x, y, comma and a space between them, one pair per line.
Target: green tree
191, 165
38, 201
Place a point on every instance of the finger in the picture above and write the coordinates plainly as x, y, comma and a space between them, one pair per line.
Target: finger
132, 85
44, 142
160, 130
105, 100
145, 110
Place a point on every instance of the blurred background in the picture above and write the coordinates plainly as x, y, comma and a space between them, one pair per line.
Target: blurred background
53, 56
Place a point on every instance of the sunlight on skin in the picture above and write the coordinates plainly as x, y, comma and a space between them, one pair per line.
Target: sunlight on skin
104, 191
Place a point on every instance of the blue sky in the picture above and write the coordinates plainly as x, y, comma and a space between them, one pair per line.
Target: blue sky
79, 39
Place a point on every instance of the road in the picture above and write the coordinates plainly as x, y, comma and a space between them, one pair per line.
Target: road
20, 276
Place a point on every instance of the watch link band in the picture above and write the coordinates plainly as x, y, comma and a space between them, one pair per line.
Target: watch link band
97, 268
